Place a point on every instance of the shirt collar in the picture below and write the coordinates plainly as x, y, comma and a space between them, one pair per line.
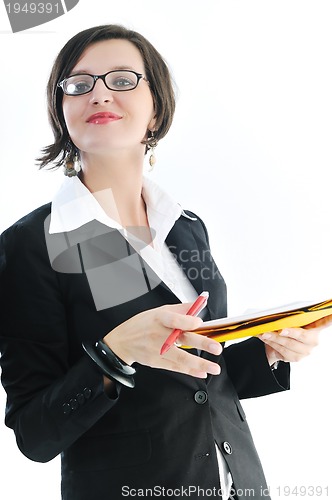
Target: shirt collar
73, 206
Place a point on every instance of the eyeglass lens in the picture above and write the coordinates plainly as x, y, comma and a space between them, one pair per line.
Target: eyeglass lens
115, 80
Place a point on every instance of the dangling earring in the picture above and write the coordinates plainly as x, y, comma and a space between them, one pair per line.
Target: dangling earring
77, 163
72, 164
152, 144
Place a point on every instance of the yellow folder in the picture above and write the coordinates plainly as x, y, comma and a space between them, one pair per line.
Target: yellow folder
289, 316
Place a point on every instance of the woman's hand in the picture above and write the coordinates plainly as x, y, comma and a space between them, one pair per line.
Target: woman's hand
293, 344
139, 339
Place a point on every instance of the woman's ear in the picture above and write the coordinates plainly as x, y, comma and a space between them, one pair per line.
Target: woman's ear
152, 124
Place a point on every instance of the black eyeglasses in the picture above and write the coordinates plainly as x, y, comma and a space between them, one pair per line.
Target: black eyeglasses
118, 80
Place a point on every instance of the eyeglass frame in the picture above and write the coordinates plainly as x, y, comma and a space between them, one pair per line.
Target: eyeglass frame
139, 77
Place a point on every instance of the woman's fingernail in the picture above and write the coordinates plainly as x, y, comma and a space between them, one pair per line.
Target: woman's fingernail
215, 348
266, 336
215, 370
284, 333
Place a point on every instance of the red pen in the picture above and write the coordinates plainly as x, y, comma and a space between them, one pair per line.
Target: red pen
194, 310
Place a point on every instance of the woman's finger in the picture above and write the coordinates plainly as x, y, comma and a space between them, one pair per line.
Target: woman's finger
200, 342
179, 360
292, 345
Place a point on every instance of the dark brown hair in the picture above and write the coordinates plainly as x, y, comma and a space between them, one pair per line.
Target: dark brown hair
157, 74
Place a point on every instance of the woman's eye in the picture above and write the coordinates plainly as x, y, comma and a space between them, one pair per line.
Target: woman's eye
123, 82
82, 86
78, 85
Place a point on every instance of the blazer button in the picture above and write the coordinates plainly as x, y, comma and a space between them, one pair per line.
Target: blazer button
80, 398
87, 393
66, 409
227, 448
74, 404
200, 397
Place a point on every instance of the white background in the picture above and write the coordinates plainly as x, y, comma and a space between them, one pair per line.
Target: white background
249, 151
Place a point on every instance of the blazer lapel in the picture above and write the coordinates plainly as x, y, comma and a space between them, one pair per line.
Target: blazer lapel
183, 246
188, 252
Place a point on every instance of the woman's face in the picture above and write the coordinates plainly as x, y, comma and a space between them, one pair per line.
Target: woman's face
131, 113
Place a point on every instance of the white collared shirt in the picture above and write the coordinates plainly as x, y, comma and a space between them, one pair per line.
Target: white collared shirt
74, 205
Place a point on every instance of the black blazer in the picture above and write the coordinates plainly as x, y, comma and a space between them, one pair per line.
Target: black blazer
160, 434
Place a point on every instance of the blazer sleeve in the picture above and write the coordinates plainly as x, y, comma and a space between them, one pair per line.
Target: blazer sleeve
250, 372
50, 402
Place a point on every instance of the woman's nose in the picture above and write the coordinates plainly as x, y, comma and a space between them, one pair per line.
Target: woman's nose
100, 93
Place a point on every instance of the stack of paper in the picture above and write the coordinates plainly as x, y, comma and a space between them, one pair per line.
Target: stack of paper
289, 316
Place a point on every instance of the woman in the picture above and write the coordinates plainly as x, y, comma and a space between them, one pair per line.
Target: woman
93, 284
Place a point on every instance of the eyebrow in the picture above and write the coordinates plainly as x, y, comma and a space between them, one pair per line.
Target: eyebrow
115, 68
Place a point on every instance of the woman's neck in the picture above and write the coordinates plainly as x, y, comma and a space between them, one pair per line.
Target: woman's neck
117, 186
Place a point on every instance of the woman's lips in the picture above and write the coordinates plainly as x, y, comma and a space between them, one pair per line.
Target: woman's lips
102, 118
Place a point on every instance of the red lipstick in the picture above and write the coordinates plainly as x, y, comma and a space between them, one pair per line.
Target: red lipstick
102, 118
